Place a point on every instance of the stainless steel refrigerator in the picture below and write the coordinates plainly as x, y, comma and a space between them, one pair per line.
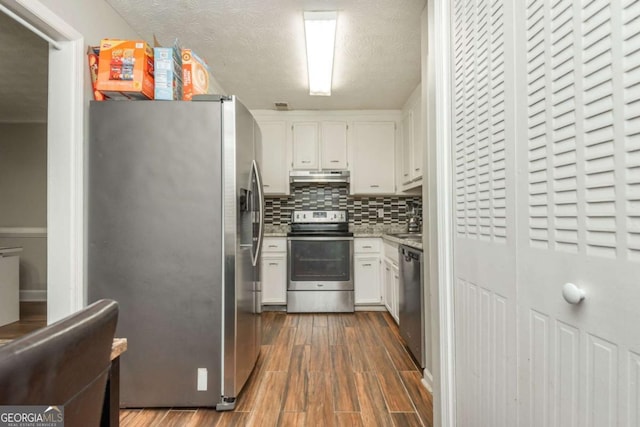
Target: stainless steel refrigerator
175, 220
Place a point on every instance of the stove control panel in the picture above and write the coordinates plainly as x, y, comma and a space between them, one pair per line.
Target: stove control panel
323, 217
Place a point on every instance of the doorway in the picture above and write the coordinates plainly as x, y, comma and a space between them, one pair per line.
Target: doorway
64, 148
23, 175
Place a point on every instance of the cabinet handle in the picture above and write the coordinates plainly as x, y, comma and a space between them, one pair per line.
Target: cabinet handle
366, 265
374, 186
395, 276
306, 161
334, 161
417, 169
273, 263
406, 174
366, 247
266, 185
273, 246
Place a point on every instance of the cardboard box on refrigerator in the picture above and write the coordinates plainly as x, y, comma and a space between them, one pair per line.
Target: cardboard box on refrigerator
195, 75
168, 73
125, 69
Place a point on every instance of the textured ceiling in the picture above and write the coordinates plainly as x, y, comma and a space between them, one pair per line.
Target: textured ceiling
23, 73
255, 48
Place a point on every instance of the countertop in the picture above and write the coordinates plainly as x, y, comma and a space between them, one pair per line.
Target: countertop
358, 231
407, 242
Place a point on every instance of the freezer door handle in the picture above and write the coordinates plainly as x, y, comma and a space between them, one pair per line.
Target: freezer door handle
255, 170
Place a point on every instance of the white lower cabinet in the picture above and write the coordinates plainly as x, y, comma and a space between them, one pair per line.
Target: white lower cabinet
367, 277
367, 271
391, 279
273, 271
391, 285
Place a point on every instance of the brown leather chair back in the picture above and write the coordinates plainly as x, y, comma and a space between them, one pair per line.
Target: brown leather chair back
64, 364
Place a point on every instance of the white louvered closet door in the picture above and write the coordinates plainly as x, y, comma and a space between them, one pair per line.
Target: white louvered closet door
578, 195
485, 240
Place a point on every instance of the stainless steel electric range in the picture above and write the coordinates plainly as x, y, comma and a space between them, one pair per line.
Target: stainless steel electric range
320, 263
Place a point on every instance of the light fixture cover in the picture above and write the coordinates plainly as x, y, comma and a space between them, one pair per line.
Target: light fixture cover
320, 35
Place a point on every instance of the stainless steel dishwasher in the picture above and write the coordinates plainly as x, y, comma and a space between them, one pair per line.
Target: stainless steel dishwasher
412, 301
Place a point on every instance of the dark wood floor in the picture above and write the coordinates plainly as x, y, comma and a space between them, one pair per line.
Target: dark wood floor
325, 370
328, 370
33, 315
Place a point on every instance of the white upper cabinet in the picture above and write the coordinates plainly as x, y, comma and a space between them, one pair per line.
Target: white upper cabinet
305, 145
373, 162
272, 157
333, 145
412, 141
362, 142
407, 144
418, 137
319, 145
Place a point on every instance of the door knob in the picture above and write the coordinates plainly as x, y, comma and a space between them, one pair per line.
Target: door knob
572, 294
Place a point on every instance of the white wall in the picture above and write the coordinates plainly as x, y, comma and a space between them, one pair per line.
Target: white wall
23, 174
23, 192
95, 20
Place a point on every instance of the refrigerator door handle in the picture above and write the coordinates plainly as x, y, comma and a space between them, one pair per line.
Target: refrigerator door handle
258, 177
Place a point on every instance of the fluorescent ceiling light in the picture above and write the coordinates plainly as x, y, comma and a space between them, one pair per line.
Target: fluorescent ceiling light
320, 33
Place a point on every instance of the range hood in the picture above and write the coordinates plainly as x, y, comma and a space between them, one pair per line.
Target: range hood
306, 176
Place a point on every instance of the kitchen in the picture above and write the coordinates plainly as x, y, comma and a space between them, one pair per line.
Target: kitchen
529, 195
372, 151
382, 205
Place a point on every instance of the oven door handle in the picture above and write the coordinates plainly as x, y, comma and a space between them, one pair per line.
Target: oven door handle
320, 239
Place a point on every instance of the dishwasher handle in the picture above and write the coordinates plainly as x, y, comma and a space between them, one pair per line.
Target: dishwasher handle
409, 254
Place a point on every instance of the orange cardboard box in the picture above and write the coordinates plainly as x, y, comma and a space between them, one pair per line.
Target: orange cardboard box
195, 75
125, 69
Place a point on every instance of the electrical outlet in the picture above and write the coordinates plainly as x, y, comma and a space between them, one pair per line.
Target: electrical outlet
202, 379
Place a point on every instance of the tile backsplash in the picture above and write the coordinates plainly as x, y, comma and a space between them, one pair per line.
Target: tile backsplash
362, 210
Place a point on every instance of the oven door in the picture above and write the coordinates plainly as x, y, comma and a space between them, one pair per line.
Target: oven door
320, 263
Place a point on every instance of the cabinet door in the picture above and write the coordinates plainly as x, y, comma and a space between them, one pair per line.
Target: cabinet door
333, 145
367, 280
274, 279
387, 285
407, 147
417, 143
374, 165
395, 293
273, 157
305, 145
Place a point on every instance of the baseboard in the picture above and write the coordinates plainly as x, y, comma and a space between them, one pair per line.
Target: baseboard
427, 381
274, 307
371, 308
33, 295
26, 232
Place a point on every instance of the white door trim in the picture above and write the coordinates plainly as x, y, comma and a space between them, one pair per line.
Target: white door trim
441, 49
65, 159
